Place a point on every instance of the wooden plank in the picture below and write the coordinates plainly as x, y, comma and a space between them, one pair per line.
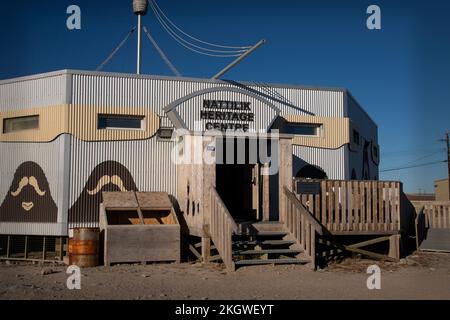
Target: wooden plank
381, 210
394, 247
8, 245
26, 248
368, 204
376, 225
44, 248
323, 208
344, 215
369, 242
317, 207
119, 200
337, 205
350, 192
330, 206
363, 223
153, 200
357, 207
291, 197
307, 232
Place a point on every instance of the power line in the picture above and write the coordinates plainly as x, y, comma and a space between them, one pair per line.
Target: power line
194, 38
415, 166
191, 46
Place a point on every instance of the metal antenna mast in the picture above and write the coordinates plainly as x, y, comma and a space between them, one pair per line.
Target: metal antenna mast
140, 9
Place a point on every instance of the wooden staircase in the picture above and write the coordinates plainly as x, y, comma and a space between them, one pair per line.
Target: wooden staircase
266, 243
288, 241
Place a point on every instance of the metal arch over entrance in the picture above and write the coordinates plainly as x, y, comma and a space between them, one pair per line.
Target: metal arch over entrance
179, 123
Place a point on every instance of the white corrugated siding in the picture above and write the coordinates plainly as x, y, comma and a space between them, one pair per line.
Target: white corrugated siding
112, 90
33, 93
190, 111
369, 132
331, 161
148, 161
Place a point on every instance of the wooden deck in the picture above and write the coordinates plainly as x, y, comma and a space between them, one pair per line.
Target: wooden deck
356, 207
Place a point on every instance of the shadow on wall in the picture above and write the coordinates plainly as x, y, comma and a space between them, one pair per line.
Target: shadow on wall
302, 169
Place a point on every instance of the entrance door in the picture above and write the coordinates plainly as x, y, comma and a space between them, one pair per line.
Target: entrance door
237, 177
238, 187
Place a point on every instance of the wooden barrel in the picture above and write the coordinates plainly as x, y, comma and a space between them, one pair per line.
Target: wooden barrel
83, 247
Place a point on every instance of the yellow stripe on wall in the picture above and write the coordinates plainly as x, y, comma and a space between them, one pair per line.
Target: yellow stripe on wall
334, 133
79, 120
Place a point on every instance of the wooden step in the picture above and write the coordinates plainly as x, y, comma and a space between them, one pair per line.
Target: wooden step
264, 242
270, 261
267, 251
265, 234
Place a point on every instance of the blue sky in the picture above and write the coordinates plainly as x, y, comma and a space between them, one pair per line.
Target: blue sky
400, 74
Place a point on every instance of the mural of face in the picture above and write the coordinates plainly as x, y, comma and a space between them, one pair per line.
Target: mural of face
29, 198
107, 176
366, 167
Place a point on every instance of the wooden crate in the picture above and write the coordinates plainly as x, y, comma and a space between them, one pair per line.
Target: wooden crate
139, 227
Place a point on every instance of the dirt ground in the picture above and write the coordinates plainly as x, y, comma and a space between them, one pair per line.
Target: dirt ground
420, 276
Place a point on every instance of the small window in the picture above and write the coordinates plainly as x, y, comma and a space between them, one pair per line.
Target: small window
20, 124
355, 137
304, 129
108, 121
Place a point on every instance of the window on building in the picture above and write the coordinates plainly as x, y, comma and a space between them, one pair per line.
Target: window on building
356, 138
20, 123
109, 121
304, 129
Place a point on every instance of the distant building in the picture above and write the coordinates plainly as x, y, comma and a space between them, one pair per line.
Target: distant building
421, 196
441, 190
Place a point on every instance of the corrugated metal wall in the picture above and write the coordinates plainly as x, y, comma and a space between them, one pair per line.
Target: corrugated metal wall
331, 161
148, 161
369, 132
190, 111
40, 92
157, 93
50, 157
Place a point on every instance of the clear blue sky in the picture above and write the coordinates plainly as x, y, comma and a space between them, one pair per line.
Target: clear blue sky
400, 74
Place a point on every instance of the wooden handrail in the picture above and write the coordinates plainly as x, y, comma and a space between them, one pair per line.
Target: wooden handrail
226, 212
293, 199
221, 229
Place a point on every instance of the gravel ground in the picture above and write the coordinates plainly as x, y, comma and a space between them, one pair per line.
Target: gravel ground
420, 276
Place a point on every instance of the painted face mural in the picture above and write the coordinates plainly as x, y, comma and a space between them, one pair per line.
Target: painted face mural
366, 168
29, 198
107, 176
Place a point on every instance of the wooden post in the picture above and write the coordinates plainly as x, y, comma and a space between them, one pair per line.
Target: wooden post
26, 248
44, 248
61, 249
206, 245
394, 246
266, 192
284, 172
7, 246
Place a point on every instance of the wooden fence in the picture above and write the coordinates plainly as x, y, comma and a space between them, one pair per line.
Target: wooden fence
356, 207
302, 225
222, 228
437, 213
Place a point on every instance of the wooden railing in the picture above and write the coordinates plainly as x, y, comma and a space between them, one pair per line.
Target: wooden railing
351, 207
302, 225
437, 213
221, 229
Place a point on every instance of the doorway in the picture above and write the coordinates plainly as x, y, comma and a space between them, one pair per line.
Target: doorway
238, 181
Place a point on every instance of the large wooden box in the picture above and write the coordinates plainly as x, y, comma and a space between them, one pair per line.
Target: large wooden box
139, 227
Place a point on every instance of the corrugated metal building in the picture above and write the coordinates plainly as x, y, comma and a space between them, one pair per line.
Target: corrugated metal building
60, 148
